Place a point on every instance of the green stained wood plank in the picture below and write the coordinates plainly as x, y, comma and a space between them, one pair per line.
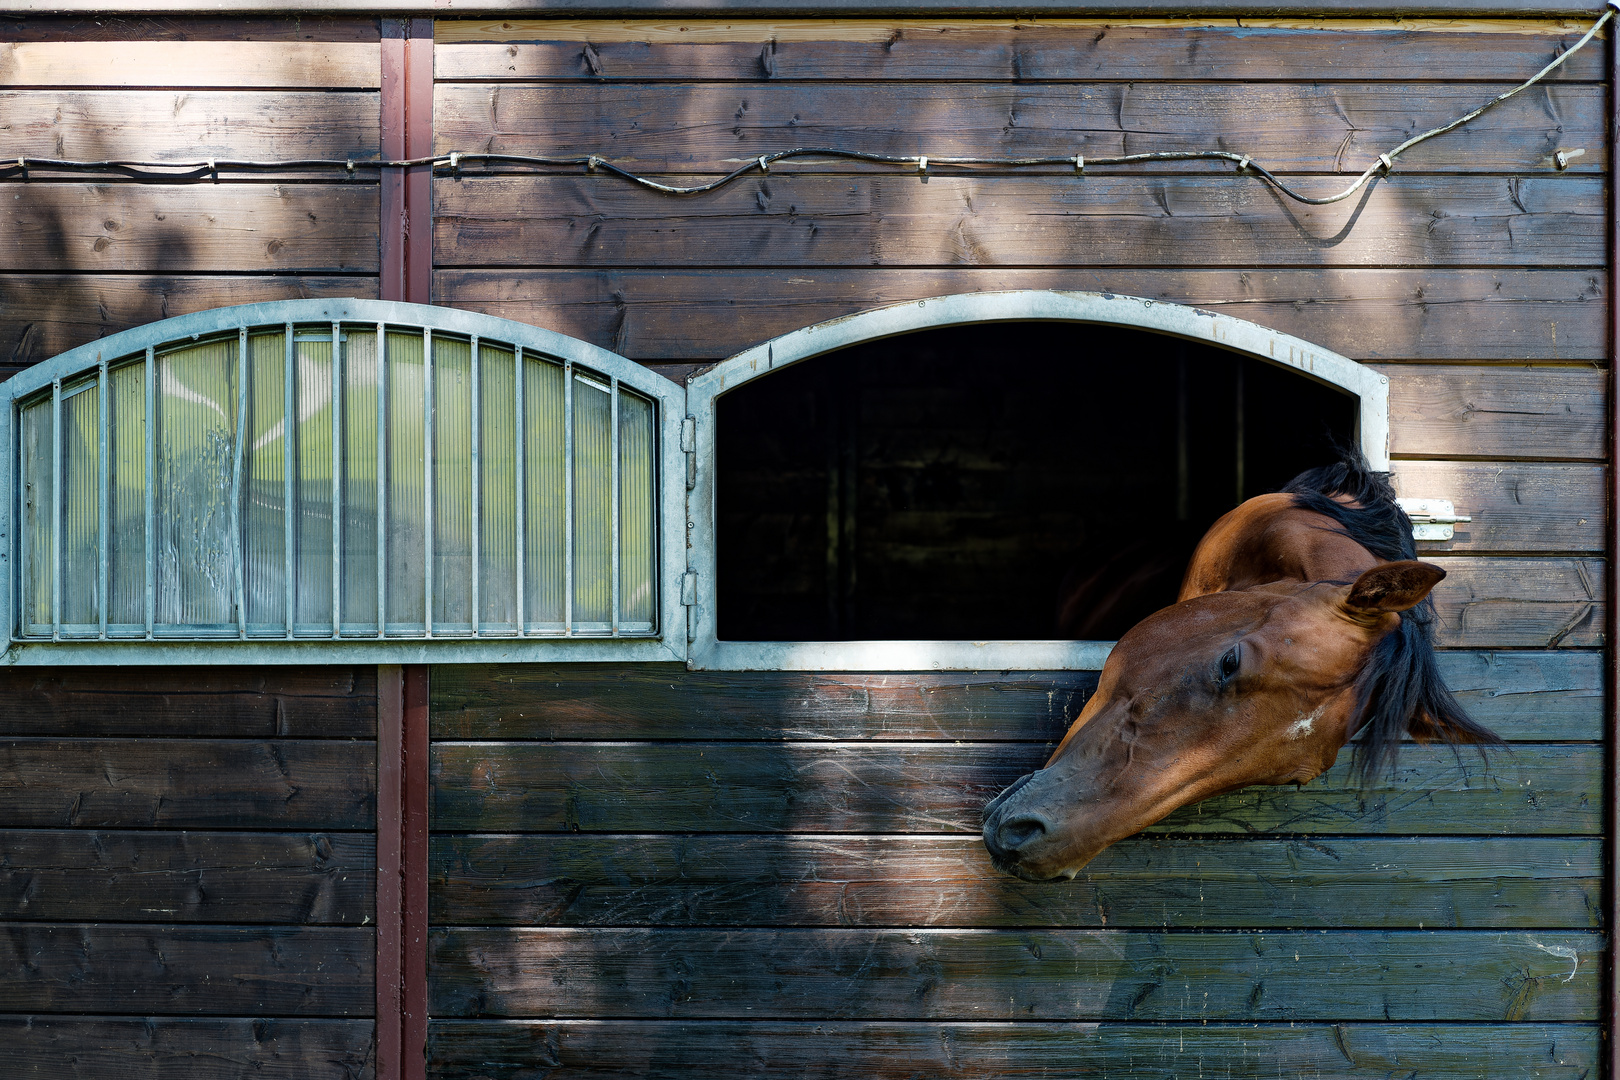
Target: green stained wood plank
187, 970
199, 784
1147, 881
834, 1050
1014, 975
816, 221
1287, 127
162, 1048
1520, 695
899, 788
136, 876
1425, 314
513, 50
220, 702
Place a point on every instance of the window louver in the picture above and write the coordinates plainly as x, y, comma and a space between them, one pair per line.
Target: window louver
340, 480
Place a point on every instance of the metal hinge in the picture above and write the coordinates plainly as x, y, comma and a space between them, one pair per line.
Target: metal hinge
1432, 519
689, 588
689, 448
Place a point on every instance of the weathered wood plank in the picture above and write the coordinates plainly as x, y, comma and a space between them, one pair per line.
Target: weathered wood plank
218, 702
196, 25
323, 64
42, 315
1287, 127
898, 220
187, 970
178, 228
1497, 412
129, 876
898, 788
785, 1050
1476, 315
198, 784
97, 124
756, 50
1529, 603
1529, 695
1146, 881
162, 1048
1524, 696
1043, 974
1515, 506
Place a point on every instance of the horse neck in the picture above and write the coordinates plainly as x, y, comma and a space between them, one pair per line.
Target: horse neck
1269, 539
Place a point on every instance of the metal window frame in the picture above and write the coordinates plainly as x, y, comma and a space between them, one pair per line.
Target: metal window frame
706, 651
142, 343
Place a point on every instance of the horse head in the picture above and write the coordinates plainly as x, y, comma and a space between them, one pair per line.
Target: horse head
1261, 685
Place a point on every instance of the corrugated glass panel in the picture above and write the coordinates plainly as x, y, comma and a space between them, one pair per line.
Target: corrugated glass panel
81, 510
452, 485
638, 552
489, 551
126, 445
593, 505
38, 517
264, 487
497, 483
196, 433
406, 509
312, 482
544, 511
359, 496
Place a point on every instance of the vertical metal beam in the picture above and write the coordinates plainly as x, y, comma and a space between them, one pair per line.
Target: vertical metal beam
406, 252
568, 497
613, 494
390, 867
103, 498
517, 438
289, 420
382, 480
477, 503
427, 481
150, 509
238, 549
335, 407
57, 502
1610, 1016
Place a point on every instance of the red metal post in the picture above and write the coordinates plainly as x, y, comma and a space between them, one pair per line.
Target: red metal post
406, 250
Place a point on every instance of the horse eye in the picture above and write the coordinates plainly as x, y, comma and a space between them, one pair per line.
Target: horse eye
1230, 664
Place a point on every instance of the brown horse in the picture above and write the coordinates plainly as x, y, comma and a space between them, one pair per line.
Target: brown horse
1303, 619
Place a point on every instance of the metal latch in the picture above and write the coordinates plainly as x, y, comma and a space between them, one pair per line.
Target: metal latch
689, 448
1432, 519
689, 588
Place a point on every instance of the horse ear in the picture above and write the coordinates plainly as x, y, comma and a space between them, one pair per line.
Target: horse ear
1393, 586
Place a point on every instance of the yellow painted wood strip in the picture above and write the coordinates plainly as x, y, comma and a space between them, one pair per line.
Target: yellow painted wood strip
326, 64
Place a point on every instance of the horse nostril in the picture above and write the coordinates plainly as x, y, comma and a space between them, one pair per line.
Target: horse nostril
1019, 831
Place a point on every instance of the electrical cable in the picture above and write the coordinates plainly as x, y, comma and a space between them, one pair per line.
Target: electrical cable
453, 162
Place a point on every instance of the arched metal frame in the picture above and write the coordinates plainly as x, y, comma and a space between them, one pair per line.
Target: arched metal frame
91, 361
707, 651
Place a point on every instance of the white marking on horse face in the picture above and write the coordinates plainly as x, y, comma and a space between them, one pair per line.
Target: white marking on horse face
1302, 727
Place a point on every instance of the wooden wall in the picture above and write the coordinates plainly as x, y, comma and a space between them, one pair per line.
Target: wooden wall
187, 882
649, 872
83, 258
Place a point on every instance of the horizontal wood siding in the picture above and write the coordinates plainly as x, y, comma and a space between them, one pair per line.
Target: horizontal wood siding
654, 871
188, 870
84, 257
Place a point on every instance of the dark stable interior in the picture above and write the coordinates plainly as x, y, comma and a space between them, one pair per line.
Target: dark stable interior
995, 481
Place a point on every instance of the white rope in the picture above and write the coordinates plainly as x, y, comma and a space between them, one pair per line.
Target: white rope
194, 170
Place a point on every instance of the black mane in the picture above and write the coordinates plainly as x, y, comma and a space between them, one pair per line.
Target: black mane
1400, 689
